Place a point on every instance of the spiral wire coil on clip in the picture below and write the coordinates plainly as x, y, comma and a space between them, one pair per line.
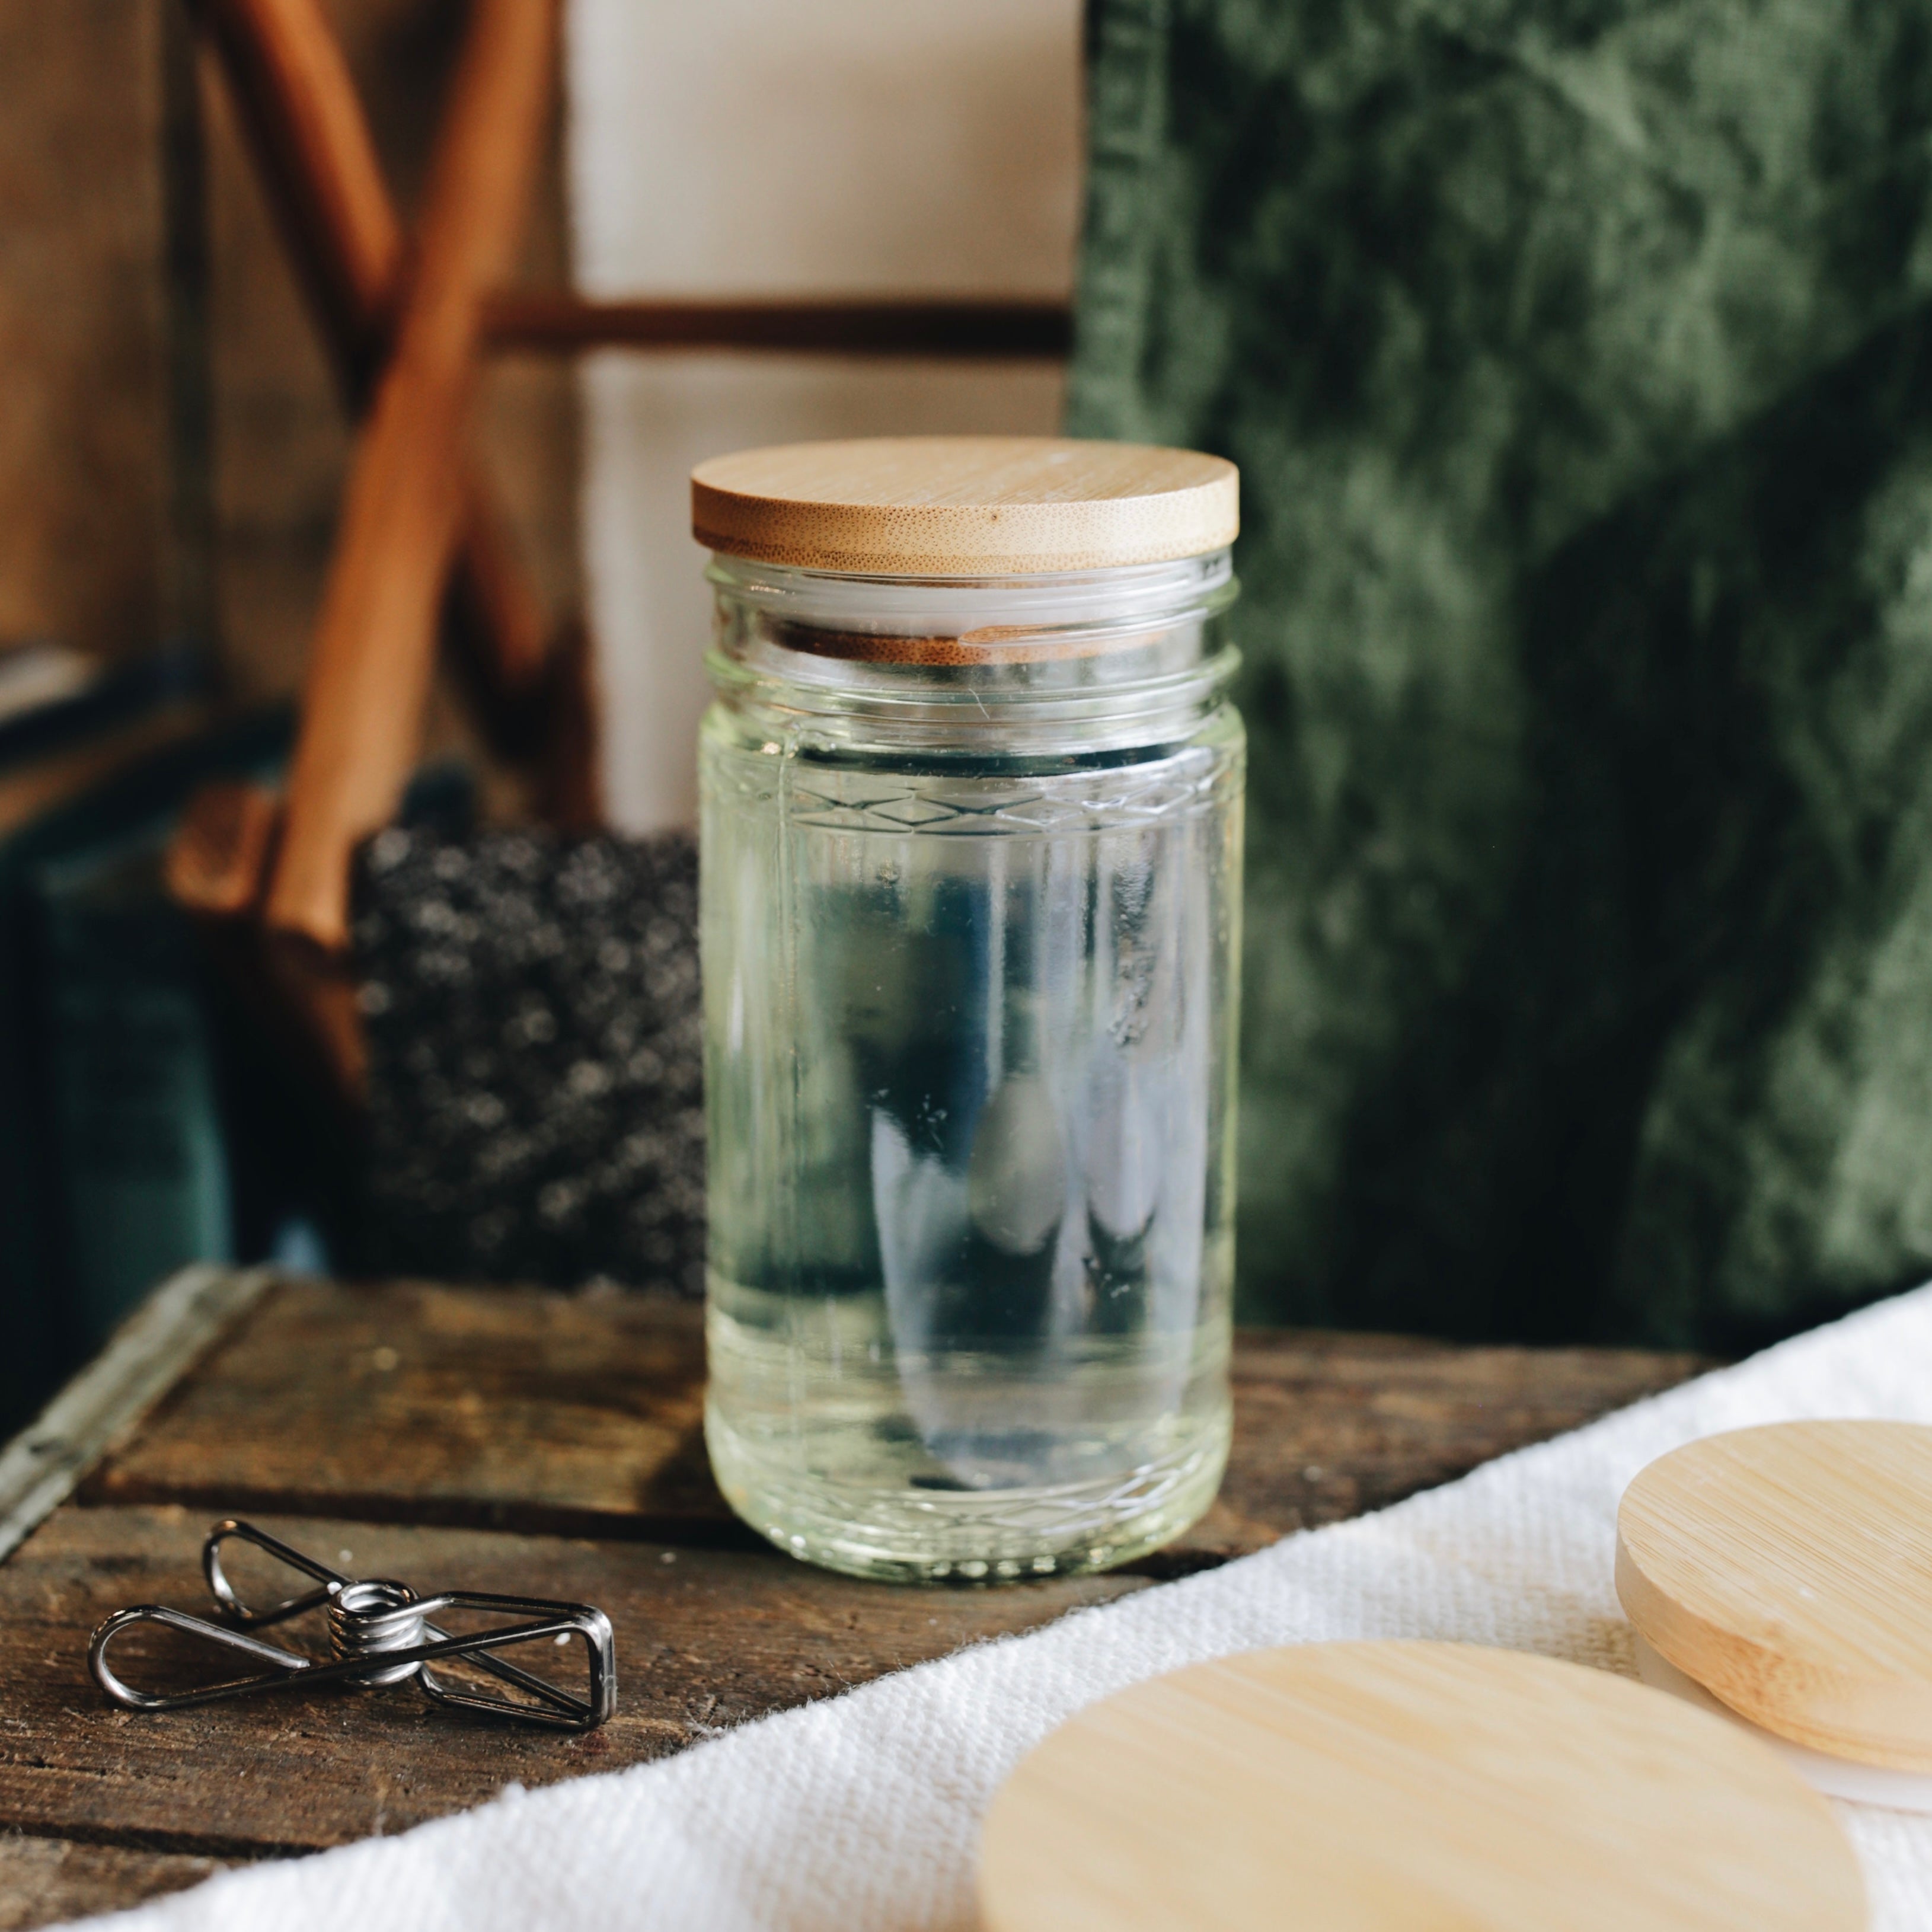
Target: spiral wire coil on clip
379, 1632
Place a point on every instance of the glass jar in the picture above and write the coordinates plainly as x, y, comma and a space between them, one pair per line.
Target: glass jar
970, 893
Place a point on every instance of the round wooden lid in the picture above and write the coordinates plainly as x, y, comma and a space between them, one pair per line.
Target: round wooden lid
1405, 1787
964, 506
1788, 1570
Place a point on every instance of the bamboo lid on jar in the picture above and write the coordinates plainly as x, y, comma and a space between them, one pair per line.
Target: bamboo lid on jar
964, 506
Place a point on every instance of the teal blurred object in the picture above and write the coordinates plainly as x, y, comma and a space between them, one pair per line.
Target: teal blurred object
131, 1095
116, 1165
144, 1123
1578, 360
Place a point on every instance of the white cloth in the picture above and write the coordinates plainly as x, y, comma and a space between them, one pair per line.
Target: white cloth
860, 1813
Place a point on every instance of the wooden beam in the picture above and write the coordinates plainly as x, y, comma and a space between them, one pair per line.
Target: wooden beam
317, 162
1003, 330
370, 660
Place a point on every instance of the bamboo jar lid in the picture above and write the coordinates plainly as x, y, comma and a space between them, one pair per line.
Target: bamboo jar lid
1788, 1570
1407, 1787
964, 506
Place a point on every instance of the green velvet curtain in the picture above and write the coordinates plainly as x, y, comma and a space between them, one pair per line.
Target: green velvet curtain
1578, 359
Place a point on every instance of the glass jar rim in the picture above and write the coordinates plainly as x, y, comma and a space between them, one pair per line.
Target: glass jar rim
996, 617
1126, 652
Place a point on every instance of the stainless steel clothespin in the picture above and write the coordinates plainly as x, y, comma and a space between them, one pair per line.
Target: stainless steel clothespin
379, 1632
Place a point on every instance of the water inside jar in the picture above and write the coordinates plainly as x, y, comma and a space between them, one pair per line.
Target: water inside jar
970, 1134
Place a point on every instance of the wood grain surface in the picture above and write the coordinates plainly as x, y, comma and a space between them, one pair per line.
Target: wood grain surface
1408, 1787
961, 505
43, 1880
520, 1409
1788, 1570
514, 1440
706, 1638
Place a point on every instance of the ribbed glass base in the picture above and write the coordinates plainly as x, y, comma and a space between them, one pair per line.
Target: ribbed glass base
913, 1534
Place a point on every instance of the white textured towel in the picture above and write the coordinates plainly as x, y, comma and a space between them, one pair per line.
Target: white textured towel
863, 1812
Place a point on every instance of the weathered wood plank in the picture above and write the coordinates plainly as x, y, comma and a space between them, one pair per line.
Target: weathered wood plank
489, 1407
1328, 1427
706, 1638
351, 1418
150, 1353
44, 1881
502, 1408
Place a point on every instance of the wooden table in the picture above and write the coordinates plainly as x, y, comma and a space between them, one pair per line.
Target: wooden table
521, 1441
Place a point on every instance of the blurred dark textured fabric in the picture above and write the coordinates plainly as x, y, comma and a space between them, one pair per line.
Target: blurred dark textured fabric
535, 1049
1578, 361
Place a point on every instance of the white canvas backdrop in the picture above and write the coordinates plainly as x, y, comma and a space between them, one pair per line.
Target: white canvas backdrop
775, 147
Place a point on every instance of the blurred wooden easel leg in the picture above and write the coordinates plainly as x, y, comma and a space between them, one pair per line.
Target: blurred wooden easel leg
275, 885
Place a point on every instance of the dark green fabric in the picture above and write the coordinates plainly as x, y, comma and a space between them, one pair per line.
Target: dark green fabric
1577, 360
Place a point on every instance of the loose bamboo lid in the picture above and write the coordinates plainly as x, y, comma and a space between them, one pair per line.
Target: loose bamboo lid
1788, 1570
1408, 1787
964, 506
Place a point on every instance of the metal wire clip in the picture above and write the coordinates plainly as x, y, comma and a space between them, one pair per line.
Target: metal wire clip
379, 1632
